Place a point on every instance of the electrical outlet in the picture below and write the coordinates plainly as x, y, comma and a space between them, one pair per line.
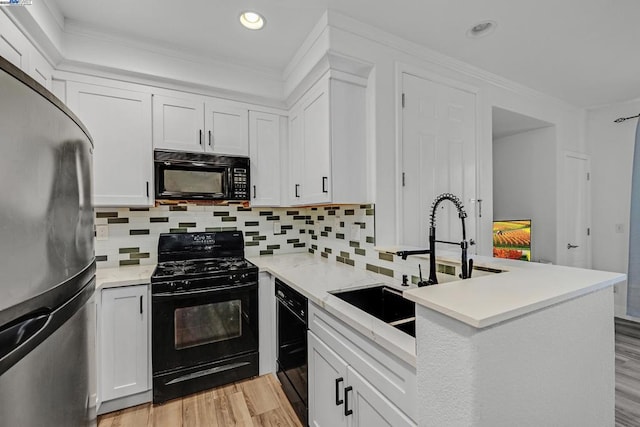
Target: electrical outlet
277, 227
102, 232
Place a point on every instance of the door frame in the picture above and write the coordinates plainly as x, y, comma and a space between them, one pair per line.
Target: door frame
404, 68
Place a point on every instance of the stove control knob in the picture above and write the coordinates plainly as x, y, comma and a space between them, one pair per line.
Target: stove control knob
186, 284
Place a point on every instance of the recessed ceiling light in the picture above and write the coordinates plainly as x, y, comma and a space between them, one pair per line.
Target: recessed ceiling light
251, 20
482, 29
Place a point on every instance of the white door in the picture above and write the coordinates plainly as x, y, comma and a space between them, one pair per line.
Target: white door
119, 122
576, 211
264, 151
178, 124
124, 369
317, 147
369, 406
438, 156
227, 128
327, 382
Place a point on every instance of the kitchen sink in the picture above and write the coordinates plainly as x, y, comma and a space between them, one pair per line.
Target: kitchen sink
384, 303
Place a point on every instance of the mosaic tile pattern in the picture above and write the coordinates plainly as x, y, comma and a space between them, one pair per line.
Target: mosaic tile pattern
133, 233
344, 234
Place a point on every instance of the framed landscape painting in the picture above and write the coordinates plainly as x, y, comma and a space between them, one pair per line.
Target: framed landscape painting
512, 239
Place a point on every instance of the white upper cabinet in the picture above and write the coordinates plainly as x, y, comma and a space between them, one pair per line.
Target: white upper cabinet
178, 123
40, 69
227, 130
18, 50
264, 152
200, 124
328, 144
14, 46
119, 122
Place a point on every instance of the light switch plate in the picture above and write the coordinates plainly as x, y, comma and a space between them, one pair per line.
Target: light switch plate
277, 227
355, 232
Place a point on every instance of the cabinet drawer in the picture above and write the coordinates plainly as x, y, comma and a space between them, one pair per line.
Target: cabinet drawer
395, 379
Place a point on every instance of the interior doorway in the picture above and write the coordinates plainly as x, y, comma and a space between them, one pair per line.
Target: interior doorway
525, 185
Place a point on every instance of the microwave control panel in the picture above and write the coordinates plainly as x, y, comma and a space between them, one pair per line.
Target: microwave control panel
240, 183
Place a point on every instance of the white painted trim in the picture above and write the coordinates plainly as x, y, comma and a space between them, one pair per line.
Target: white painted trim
355, 27
142, 83
308, 43
77, 28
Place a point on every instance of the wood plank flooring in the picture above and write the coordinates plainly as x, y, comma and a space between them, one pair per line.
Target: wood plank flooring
261, 401
256, 402
627, 373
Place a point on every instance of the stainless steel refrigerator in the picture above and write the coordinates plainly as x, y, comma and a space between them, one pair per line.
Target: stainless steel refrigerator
47, 263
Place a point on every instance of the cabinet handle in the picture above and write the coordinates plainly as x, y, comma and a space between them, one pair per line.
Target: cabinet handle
324, 184
140, 304
297, 186
200, 136
479, 208
338, 400
347, 411
254, 192
147, 189
209, 138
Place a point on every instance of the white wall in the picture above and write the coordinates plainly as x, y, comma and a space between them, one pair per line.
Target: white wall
612, 145
524, 183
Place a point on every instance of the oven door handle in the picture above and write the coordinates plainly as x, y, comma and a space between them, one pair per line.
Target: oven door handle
178, 294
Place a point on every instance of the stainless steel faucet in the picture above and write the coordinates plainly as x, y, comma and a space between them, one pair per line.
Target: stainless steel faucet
467, 265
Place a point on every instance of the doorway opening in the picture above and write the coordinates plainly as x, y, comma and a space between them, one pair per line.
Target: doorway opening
524, 186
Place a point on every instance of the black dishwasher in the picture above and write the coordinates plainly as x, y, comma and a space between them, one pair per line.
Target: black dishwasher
291, 312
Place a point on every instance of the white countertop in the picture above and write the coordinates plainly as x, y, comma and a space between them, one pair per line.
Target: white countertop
129, 275
315, 277
522, 288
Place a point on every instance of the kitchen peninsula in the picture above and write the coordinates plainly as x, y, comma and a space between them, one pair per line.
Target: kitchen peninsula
532, 345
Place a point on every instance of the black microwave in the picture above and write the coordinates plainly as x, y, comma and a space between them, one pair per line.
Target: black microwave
200, 176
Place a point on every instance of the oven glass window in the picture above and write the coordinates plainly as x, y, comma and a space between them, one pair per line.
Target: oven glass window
193, 181
208, 323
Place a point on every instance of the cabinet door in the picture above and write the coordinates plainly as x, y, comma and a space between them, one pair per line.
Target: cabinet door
296, 157
317, 146
178, 124
14, 46
119, 122
369, 406
264, 150
327, 381
227, 128
124, 346
40, 69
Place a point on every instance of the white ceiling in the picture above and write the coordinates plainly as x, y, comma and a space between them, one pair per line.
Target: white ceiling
582, 51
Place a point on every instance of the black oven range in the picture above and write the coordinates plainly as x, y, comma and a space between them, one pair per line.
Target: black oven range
204, 316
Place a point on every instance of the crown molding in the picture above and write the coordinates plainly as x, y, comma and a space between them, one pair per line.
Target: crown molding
373, 34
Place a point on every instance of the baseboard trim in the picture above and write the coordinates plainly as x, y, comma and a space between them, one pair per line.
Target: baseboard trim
125, 402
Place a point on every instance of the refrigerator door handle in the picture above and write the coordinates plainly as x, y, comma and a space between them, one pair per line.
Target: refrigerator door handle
14, 335
38, 327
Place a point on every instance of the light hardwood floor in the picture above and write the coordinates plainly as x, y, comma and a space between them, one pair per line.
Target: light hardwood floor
627, 373
261, 401
256, 402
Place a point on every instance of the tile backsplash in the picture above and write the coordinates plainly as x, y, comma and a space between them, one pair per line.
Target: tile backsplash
344, 233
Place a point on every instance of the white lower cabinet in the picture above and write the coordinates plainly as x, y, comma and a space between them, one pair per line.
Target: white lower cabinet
347, 382
123, 336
